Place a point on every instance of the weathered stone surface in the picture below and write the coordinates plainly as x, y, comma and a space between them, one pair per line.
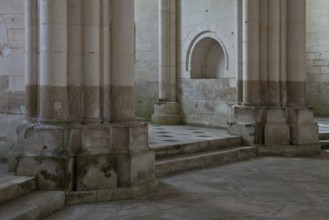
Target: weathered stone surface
289, 150
31, 101
122, 103
130, 137
202, 160
36, 205
53, 104
53, 173
12, 187
75, 94
250, 133
166, 113
303, 129
39, 141
264, 188
248, 122
277, 134
135, 168
206, 101
96, 140
92, 108
104, 195
277, 130
113, 154
146, 95
96, 172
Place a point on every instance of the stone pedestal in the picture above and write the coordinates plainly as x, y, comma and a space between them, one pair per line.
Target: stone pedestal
247, 122
277, 131
83, 137
86, 157
166, 113
303, 129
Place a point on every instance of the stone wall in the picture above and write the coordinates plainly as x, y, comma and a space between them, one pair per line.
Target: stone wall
203, 101
11, 71
318, 56
206, 100
147, 61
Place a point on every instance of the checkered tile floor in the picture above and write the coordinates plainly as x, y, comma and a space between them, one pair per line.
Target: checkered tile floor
323, 124
167, 135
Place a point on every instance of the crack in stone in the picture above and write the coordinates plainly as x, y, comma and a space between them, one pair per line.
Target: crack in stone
279, 210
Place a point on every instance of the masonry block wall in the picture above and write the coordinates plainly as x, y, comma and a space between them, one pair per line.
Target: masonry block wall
11, 71
318, 56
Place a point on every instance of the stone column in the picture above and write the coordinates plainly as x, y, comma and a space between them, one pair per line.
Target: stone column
75, 60
296, 52
166, 110
123, 60
300, 118
84, 138
91, 60
134, 157
53, 60
31, 57
273, 112
251, 47
238, 50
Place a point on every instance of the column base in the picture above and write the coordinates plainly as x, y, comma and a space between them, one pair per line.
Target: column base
277, 130
248, 122
166, 113
87, 158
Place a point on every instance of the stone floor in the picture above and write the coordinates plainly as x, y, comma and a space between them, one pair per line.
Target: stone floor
264, 188
166, 135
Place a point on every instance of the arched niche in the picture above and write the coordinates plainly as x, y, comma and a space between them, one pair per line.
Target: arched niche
206, 57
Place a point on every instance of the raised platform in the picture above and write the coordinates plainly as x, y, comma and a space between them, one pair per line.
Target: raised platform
179, 148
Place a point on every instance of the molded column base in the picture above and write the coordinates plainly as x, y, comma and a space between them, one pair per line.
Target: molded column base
278, 131
87, 158
248, 122
166, 113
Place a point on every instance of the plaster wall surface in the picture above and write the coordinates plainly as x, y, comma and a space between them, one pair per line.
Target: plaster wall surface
318, 56
11, 71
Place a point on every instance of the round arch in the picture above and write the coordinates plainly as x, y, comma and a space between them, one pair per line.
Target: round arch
206, 56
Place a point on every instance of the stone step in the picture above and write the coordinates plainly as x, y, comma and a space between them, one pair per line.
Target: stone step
32, 206
12, 187
324, 144
324, 136
195, 147
202, 160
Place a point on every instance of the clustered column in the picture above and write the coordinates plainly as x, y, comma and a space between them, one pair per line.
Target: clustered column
81, 126
166, 110
123, 60
271, 106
